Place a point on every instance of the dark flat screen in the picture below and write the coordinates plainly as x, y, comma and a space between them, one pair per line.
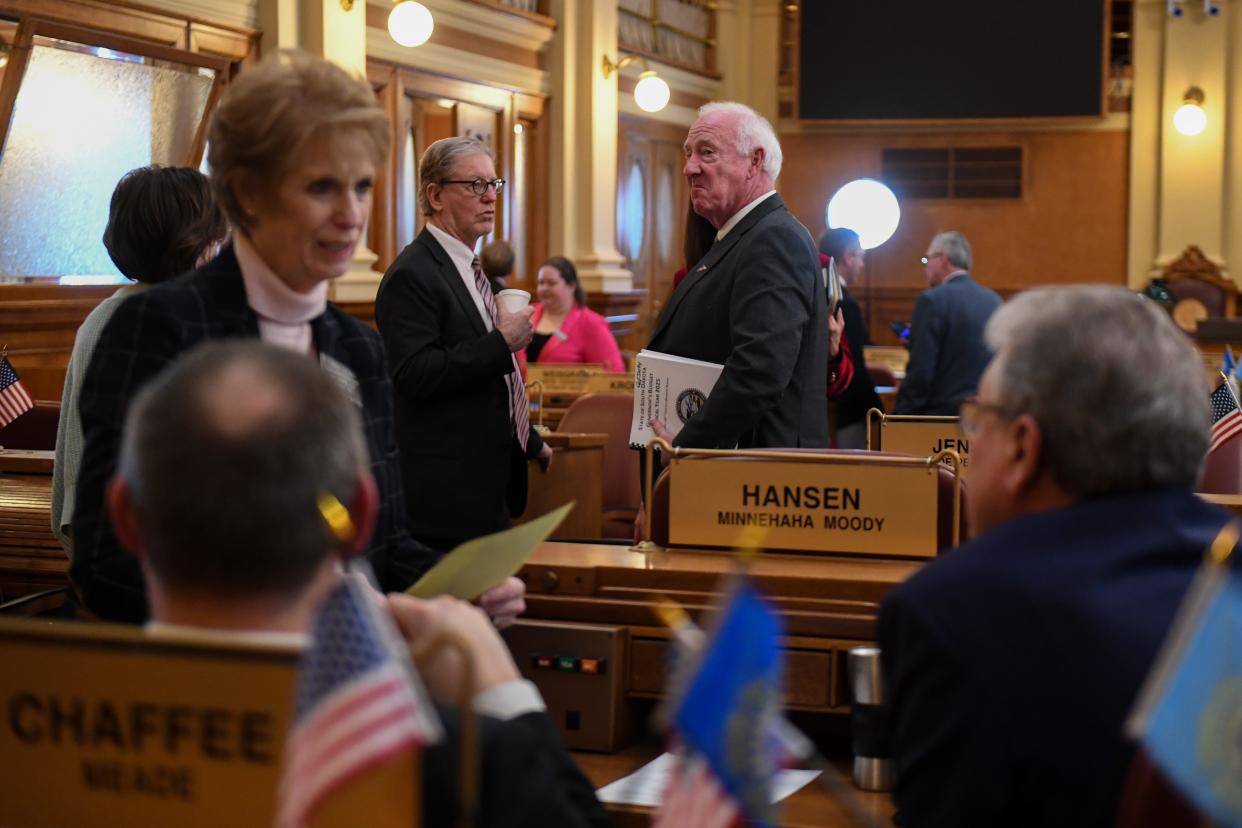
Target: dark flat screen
941, 59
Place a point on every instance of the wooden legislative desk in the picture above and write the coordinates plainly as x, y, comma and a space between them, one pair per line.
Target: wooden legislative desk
576, 473
829, 604
31, 559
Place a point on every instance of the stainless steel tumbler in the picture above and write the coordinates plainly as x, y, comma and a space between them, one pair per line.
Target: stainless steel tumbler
873, 767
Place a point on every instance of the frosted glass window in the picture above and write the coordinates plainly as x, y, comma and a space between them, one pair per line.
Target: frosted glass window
666, 222
409, 192
634, 209
83, 118
520, 204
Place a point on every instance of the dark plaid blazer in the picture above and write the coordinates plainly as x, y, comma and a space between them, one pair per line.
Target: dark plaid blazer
147, 333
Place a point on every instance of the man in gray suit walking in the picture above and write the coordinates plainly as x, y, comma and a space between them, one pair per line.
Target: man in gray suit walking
755, 303
947, 352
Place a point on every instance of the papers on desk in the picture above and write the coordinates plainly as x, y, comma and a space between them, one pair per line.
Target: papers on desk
669, 388
477, 565
645, 785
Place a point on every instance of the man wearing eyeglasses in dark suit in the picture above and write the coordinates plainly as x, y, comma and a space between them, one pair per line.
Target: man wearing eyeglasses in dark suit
947, 354
462, 422
1011, 662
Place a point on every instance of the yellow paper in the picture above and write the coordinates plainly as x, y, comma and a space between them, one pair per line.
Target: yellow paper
477, 565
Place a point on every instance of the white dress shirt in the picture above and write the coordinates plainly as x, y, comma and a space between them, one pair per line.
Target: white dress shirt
463, 260
741, 214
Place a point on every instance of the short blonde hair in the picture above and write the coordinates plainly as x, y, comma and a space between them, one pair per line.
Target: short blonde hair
270, 111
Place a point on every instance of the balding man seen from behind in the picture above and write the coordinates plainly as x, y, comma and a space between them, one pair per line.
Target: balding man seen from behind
227, 462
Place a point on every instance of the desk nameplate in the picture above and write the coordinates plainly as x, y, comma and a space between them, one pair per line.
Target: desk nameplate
577, 379
821, 507
104, 725
921, 437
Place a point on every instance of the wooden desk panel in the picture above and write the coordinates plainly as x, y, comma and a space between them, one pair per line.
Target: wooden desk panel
810, 807
31, 558
828, 605
1230, 502
577, 473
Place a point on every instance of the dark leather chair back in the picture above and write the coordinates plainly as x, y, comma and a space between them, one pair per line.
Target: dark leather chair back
1148, 800
34, 430
1222, 470
609, 413
881, 375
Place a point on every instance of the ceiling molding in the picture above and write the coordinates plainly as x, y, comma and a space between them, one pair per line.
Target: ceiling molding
507, 28
458, 64
226, 12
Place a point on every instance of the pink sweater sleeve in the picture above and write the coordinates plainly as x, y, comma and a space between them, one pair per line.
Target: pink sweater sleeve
598, 343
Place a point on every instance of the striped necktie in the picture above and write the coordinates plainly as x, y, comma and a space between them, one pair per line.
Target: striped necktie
521, 407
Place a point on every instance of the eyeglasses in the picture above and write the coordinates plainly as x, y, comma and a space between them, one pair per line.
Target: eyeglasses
478, 186
970, 411
925, 259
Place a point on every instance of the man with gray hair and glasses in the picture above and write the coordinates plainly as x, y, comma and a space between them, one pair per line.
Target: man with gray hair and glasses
462, 417
1012, 661
947, 353
755, 302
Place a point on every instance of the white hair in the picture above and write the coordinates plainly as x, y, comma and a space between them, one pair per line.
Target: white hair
753, 130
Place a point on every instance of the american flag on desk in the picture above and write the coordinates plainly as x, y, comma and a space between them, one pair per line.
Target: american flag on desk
358, 703
15, 400
1226, 418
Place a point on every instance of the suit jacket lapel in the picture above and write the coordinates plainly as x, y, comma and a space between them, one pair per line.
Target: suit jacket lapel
717, 252
231, 314
448, 271
333, 356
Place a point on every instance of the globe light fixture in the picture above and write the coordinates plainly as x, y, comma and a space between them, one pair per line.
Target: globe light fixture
651, 93
867, 207
410, 23
1190, 119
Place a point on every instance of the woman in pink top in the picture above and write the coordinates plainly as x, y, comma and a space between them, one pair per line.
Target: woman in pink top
566, 331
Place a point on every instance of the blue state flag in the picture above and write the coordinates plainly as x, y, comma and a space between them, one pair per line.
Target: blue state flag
1227, 363
727, 711
1189, 714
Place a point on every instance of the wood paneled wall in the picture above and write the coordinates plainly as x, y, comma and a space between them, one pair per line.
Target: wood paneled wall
37, 324
1069, 225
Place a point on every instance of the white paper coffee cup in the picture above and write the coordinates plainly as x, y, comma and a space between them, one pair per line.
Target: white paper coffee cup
513, 299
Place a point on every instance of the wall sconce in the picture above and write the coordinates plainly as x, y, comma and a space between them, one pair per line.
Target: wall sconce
651, 93
1190, 119
410, 23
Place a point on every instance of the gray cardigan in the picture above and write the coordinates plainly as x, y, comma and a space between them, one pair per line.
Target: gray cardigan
69, 432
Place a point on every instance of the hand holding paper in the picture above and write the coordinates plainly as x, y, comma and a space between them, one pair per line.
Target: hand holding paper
480, 564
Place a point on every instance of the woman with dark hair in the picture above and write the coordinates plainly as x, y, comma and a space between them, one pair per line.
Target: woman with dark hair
162, 222
566, 330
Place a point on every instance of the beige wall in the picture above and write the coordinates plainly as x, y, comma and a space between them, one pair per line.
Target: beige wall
1069, 225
